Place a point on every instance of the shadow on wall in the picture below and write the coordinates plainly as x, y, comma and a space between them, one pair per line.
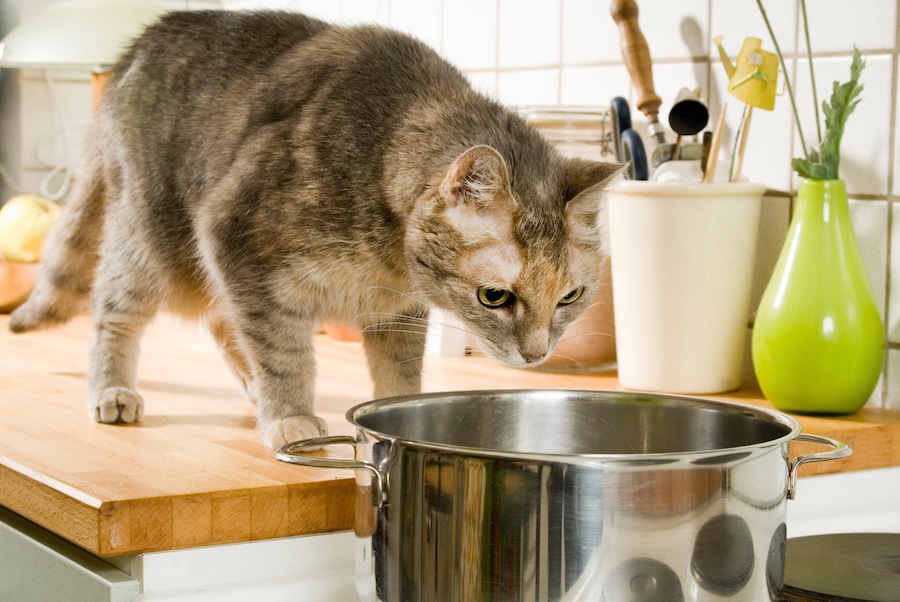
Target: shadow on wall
696, 42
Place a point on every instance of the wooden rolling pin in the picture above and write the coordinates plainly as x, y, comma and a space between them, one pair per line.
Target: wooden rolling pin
636, 54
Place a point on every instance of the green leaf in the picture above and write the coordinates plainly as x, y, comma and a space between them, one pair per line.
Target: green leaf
825, 164
810, 170
802, 167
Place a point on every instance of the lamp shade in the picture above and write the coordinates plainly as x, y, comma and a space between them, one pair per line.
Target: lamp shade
78, 34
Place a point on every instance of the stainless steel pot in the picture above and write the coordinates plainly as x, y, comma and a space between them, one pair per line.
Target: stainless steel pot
569, 495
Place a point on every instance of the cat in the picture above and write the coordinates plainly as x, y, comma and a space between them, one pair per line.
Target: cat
267, 171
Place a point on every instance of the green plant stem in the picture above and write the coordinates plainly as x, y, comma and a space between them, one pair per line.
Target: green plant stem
812, 72
787, 80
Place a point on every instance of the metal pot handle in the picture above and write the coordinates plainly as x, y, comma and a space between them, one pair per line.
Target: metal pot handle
293, 454
841, 450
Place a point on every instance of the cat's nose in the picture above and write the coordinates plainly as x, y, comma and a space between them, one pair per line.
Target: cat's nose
533, 354
532, 357
535, 346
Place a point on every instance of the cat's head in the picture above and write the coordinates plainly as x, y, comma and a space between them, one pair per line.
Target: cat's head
517, 264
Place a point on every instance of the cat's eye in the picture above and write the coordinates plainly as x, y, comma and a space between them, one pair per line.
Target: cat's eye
572, 297
493, 297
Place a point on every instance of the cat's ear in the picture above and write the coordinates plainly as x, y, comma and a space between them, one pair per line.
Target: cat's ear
585, 182
477, 200
478, 176
584, 177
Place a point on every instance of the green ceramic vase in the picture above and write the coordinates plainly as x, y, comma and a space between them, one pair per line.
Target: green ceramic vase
818, 339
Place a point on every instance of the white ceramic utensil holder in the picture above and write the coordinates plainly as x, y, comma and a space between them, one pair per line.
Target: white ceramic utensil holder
682, 265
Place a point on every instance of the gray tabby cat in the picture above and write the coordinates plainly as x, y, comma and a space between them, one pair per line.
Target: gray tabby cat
268, 171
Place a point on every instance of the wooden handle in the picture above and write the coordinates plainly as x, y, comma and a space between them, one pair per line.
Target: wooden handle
636, 54
712, 160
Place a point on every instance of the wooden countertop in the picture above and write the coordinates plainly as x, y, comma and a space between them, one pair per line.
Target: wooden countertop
193, 471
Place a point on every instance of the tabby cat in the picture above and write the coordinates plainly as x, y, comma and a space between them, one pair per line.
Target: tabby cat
268, 172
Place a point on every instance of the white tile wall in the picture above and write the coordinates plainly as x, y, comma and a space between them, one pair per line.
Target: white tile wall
568, 52
675, 30
583, 85
734, 21
865, 162
470, 33
529, 33
530, 87
893, 319
836, 25
590, 35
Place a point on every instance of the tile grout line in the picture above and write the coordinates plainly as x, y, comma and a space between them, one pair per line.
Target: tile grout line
892, 158
497, 49
794, 125
707, 59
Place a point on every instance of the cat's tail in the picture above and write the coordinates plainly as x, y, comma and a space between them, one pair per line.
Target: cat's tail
70, 253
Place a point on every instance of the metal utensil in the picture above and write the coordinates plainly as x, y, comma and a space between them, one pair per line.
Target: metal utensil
628, 143
636, 54
689, 115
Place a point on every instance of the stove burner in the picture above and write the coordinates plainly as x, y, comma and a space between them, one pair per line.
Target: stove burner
852, 567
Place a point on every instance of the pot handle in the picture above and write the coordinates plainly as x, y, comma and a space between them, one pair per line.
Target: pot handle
293, 454
841, 450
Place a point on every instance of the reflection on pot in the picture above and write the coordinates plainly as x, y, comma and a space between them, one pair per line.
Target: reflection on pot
722, 560
495, 513
642, 580
664, 493
504, 529
775, 562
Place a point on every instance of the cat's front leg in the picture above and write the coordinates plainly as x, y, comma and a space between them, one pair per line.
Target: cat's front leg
278, 345
112, 374
394, 351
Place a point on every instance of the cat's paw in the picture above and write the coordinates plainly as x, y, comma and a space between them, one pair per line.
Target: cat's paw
116, 404
294, 428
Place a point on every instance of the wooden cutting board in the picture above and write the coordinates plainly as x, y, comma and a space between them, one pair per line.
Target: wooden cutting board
193, 471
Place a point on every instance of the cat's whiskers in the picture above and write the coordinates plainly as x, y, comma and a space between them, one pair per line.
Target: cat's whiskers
566, 358
376, 318
586, 334
592, 306
396, 326
590, 332
451, 330
398, 294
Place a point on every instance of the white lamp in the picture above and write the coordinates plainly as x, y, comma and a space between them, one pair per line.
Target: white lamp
78, 34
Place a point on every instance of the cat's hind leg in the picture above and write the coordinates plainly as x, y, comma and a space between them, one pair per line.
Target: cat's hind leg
70, 253
125, 299
229, 345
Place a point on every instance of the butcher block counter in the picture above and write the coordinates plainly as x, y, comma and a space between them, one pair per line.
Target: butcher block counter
193, 472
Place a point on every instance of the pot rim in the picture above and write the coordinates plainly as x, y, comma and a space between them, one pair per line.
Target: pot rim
631, 459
